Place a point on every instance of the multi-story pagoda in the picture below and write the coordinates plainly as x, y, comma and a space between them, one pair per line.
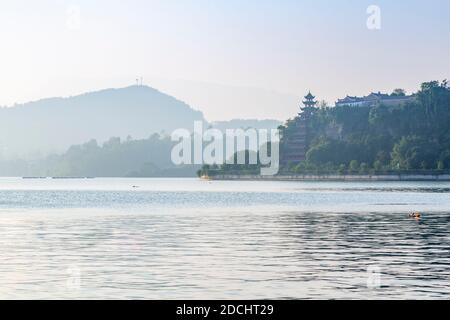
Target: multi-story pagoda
309, 101
294, 140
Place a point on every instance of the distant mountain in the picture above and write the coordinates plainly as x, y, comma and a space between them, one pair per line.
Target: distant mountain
36, 129
52, 125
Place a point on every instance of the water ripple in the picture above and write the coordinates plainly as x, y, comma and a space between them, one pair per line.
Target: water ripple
162, 245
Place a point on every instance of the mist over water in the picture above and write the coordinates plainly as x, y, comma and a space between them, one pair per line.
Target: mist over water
186, 238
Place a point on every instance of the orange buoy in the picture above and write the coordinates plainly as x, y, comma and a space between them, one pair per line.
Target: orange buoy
416, 215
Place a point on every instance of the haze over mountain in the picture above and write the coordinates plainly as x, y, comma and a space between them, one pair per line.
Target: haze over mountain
37, 128
245, 124
55, 124
224, 102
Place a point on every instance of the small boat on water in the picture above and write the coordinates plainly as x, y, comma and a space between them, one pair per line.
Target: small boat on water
34, 178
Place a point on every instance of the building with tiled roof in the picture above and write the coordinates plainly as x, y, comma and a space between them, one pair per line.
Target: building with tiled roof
374, 99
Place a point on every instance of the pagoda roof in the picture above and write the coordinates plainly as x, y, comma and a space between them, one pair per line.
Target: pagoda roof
309, 96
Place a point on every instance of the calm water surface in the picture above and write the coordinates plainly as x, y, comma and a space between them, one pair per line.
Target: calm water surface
185, 238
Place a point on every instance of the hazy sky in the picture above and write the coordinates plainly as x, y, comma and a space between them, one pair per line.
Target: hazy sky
186, 48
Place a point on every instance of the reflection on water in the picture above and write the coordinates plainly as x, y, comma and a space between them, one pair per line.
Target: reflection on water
190, 239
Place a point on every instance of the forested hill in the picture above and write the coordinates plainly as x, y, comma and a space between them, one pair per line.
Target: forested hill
53, 125
411, 136
149, 157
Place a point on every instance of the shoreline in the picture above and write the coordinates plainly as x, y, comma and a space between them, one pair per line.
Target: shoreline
362, 178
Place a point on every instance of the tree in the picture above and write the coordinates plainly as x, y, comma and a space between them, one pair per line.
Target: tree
323, 104
377, 165
299, 168
398, 93
364, 168
328, 150
342, 169
354, 166
414, 152
383, 157
445, 159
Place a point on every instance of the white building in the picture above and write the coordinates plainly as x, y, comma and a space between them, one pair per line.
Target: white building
374, 99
